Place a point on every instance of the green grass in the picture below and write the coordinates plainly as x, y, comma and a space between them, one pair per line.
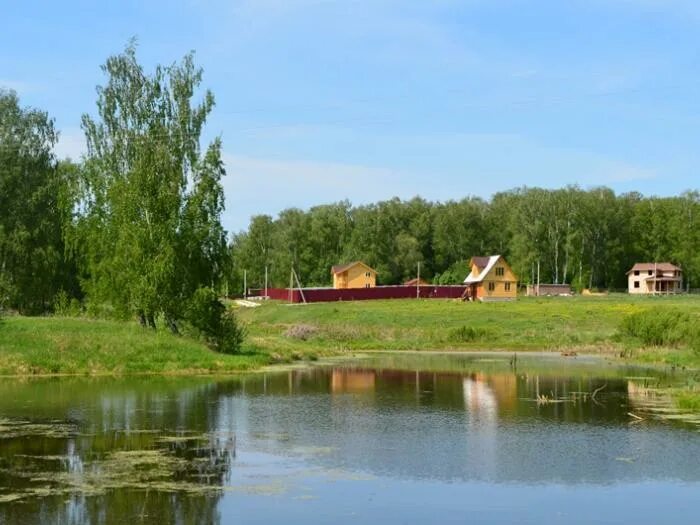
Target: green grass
590, 324
278, 332
57, 345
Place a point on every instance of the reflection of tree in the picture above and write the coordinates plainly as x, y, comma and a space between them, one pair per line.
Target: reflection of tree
126, 462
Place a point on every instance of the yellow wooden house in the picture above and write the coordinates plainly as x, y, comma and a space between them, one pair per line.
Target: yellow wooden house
490, 279
353, 275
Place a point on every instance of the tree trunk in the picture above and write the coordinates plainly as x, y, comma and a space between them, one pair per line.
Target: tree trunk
172, 325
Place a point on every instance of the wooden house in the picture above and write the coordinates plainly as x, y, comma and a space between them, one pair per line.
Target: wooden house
490, 279
655, 278
353, 275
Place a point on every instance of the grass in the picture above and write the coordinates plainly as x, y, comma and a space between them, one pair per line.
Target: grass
59, 345
586, 324
280, 332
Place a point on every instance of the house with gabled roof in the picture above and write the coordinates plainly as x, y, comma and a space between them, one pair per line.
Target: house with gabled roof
491, 279
655, 278
353, 275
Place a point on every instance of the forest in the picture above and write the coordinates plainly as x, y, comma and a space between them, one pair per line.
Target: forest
588, 238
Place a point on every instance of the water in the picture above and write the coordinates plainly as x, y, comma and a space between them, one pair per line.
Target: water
396, 439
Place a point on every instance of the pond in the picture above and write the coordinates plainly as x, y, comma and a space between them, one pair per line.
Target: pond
402, 438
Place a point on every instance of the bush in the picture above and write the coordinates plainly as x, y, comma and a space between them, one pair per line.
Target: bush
663, 327
208, 316
65, 306
466, 334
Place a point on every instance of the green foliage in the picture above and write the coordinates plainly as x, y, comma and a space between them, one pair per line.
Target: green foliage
149, 230
467, 334
670, 327
218, 327
588, 239
688, 401
66, 306
34, 205
455, 274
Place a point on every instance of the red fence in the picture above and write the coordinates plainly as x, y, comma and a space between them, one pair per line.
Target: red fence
318, 295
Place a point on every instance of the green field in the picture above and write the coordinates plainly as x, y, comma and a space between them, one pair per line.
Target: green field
59, 345
278, 332
583, 324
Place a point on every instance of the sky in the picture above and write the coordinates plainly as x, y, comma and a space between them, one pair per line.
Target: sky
324, 100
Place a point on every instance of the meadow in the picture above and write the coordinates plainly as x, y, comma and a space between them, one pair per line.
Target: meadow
576, 324
280, 333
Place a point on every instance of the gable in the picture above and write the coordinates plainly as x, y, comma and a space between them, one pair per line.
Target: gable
342, 268
489, 270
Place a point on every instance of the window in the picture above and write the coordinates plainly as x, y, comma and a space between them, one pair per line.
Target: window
367, 285
507, 287
492, 287
499, 271
636, 272
368, 274
649, 272
636, 284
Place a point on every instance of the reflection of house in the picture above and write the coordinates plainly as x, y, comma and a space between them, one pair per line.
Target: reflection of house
479, 399
352, 381
353, 275
491, 279
653, 278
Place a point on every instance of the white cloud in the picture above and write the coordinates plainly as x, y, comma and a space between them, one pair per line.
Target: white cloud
71, 144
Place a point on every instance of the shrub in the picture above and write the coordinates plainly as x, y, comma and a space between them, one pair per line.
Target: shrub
66, 306
663, 327
208, 316
465, 334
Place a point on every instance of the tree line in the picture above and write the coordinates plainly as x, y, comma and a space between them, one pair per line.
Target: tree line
134, 229
586, 238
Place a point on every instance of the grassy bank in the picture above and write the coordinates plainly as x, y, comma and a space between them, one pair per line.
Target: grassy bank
58, 345
585, 324
280, 332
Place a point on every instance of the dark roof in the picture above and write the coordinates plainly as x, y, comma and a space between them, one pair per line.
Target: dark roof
480, 262
340, 268
661, 267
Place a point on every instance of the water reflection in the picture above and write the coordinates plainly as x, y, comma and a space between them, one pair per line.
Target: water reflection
199, 450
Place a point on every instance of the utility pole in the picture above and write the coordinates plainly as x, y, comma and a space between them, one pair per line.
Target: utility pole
418, 283
301, 291
265, 281
538, 277
245, 284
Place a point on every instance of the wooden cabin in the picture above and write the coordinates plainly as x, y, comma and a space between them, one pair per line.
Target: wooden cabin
353, 275
490, 279
655, 278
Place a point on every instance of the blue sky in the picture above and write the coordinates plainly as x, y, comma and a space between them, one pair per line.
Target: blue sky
322, 100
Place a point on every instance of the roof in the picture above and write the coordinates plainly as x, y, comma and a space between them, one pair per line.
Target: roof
661, 267
663, 279
415, 281
487, 262
340, 268
480, 262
